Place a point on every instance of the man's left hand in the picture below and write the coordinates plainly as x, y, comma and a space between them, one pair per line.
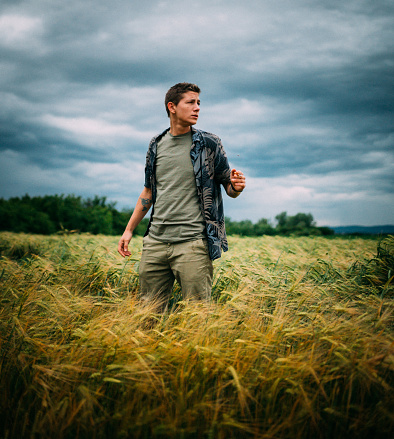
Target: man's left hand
237, 179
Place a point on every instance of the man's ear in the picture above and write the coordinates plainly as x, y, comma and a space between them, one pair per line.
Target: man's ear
171, 107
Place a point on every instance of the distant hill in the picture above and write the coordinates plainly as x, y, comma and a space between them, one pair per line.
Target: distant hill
367, 230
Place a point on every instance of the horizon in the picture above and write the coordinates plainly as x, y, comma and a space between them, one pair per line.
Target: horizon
271, 221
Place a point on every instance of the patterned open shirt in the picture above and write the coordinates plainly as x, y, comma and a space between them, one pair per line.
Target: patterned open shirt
211, 169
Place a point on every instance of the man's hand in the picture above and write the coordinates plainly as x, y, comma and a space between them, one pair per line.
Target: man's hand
124, 242
237, 180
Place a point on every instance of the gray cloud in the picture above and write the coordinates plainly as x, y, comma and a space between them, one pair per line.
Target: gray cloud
301, 94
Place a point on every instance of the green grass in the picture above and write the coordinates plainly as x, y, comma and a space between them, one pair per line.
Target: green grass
297, 342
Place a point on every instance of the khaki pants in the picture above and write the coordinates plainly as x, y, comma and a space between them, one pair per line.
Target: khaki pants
162, 263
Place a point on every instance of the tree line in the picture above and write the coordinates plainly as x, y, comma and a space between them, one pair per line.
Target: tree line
69, 213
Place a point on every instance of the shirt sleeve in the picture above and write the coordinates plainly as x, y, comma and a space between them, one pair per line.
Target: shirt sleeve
148, 167
222, 167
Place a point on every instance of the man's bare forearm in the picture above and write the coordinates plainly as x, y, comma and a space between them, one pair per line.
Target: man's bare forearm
231, 192
143, 205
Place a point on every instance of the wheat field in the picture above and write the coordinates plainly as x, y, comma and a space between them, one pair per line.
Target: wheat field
296, 343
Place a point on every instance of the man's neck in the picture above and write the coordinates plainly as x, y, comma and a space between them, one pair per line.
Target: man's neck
178, 130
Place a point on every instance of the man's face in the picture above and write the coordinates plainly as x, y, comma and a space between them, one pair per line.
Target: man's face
187, 110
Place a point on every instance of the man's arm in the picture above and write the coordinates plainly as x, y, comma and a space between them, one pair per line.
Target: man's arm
236, 185
222, 169
143, 205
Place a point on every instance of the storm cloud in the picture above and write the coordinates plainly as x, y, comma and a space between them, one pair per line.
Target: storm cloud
300, 92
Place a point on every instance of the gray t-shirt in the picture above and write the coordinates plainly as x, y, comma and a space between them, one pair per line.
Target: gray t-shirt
177, 214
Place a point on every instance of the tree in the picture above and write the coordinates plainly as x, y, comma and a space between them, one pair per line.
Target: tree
299, 224
52, 213
263, 227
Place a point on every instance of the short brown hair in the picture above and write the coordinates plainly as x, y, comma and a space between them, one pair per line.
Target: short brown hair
176, 92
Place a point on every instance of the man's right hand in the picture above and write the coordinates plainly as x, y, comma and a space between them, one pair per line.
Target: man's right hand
124, 242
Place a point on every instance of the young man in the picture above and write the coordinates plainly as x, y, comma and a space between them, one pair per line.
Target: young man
184, 170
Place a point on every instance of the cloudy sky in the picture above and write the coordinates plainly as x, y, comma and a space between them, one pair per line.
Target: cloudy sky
301, 93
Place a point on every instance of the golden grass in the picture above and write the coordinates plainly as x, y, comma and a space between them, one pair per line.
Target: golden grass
297, 343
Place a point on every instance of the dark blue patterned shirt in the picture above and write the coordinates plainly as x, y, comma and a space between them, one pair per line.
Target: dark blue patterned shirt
211, 169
